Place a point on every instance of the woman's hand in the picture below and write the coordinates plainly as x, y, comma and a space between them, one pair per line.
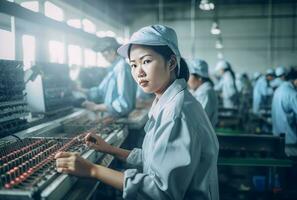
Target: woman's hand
97, 143
73, 163
90, 106
94, 107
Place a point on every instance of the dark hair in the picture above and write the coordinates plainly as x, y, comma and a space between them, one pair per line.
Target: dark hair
166, 53
229, 69
292, 74
203, 79
106, 44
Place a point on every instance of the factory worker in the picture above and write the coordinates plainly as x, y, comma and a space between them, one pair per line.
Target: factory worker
227, 84
178, 159
116, 94
263, 91
256, 76
284, 109
280, 73
201, 87
245, 93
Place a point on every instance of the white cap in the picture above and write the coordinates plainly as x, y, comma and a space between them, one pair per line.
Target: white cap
222, 64
270, 71
279, 71
199, 67
256, 75
154, 35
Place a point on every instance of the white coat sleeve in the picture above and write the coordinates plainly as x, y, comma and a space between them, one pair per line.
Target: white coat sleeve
219, 85
293, 103
95, 94
203, 99
125, 101
167, 176
135, 157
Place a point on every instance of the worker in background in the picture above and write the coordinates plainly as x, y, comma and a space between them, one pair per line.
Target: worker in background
227, 84
263, 92
178, 159
280, 73
116, 94
201, 87
284, 109
256, 76
245, 93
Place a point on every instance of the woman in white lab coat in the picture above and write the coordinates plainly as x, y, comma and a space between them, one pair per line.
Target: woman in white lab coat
280, 73
227, 85
116, 94
284, 109
178, 159
201, 87
262, 93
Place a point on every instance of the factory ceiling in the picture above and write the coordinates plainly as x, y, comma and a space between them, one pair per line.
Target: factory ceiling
126, 11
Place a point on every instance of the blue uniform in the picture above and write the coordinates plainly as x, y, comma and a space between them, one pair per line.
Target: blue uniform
117, 90
262, 92
284, 112
178, 159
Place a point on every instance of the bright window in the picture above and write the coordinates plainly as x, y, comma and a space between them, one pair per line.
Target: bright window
31, 5
101, 61
89, 57
76, 23
105, 34
29, 43
7, 45
110, 34
56, 51
53, 11
88, 26
74, 55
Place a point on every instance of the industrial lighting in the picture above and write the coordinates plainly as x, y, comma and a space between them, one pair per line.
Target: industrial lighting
215, 30
219, 44
206, 5
88, 26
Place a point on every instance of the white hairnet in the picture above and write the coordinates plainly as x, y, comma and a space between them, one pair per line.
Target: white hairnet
222, 64
198, 66
154, 35
280, 71
270, 71
256, 75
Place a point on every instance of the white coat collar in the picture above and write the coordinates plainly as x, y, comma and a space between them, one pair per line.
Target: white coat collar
158, 105
204, 87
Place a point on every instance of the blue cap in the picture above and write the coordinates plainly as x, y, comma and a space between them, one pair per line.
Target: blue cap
199, 67
154, 35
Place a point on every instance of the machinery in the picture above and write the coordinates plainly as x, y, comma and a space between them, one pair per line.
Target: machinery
27, 169
50, 91
252, 166
251, 146
13, 106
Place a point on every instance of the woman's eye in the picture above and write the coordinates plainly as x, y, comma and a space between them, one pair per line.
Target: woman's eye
146, 61
133, 65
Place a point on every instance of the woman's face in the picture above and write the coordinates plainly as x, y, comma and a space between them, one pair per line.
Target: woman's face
149, 69
194, 82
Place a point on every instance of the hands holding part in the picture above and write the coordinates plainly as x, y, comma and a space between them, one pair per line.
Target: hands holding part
95, 142
73, 163
94, 107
